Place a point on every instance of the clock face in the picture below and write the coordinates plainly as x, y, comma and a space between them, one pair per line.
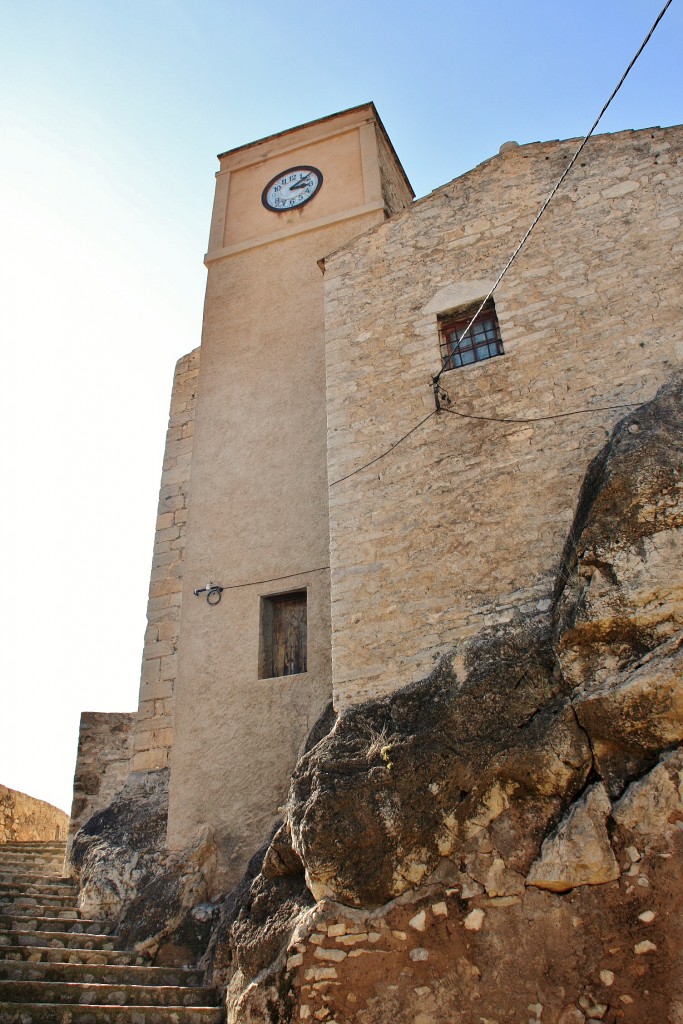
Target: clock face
292, 188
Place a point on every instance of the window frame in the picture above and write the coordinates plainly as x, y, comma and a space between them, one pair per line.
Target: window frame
457, 320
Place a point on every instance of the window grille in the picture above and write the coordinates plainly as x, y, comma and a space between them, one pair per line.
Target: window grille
482, 341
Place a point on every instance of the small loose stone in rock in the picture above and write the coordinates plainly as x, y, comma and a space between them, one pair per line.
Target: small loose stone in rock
474, 920
419, 922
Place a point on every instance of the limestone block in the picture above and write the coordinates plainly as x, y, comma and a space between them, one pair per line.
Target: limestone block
652, 805
579, 852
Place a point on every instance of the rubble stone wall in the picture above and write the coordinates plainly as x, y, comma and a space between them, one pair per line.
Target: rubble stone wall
154, 728
102, 763
462, 526
24, 819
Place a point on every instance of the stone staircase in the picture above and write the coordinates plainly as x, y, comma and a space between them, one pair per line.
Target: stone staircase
59, 967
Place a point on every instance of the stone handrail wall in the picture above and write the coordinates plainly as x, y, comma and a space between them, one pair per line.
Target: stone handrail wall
102, 763
25, 819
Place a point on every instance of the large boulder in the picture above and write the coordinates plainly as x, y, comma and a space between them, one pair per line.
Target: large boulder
119, 846
157, 899
440, 774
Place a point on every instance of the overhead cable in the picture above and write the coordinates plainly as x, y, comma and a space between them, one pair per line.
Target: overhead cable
394, 445
544, 207
557, 184
538, 419
273, 579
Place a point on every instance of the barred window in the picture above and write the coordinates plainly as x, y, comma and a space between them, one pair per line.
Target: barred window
482, 341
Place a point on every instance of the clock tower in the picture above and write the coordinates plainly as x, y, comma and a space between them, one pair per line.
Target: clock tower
254, 662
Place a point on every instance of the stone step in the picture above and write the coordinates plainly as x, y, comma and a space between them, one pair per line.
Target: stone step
41, 865
18, 909
48, 872
24, 878
104, 995
57, 967
31, 923
35, 898
10, 853
102, 974
47, 890
63, 939
54, 846
54, 1013
57, 954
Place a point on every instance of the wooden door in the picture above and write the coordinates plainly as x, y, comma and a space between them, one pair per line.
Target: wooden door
289, 634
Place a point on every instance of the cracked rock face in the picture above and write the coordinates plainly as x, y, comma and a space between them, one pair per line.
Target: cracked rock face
504, 840
442, 776
579, 851
157, 899
119, 845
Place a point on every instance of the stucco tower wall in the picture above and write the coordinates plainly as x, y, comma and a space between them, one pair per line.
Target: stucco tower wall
464, 523
153, 733
259, 511
259, 479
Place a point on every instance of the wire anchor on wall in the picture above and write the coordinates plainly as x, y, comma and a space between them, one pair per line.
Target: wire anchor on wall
439, 394
213, 593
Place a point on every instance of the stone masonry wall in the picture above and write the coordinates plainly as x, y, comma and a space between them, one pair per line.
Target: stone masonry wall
154, 727
462, 526
23, 819
393, 184
102, 763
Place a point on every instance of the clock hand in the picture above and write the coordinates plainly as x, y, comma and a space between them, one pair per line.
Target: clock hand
300, 182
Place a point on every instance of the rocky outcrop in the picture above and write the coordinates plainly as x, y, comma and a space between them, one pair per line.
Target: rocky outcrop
120, 845
502, 841
157, 898
447, 775
619, 606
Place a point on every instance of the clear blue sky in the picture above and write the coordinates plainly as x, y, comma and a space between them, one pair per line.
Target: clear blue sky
112, 113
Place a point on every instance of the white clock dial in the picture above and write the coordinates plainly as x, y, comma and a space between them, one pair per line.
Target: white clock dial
292, 188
